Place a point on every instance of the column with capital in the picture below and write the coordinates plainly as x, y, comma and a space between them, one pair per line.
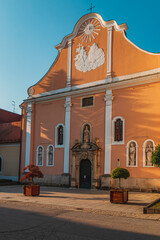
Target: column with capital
67, 105
28, 134
109, 56
108, 138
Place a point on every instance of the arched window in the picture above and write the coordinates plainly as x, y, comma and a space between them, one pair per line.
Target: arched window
118, 130
148, 148
59, 136
39, 160
50, 155
0, 164
132, 153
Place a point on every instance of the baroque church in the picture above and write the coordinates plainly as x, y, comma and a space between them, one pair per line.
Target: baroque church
97, 108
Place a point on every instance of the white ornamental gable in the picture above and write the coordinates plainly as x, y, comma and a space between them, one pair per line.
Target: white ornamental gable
95, 58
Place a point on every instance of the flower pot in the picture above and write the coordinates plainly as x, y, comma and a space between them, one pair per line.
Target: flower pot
31, 190
118, 196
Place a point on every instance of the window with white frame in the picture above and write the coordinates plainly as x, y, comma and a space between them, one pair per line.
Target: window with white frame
132, 153
118, 130
59, 136
39, 158
87, 101
50, 155
0, 164
148, 148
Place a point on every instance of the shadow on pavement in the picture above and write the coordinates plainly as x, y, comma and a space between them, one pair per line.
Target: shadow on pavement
17, 222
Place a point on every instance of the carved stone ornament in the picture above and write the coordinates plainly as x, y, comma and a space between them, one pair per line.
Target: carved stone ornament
93, 60
31, 91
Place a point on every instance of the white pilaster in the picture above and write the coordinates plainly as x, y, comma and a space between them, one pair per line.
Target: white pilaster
28, 134
108, 126
109, 55
69, 63
67, 134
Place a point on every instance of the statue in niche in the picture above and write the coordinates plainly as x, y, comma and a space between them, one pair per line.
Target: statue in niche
148, 155
86, 135
132, 154
40, 156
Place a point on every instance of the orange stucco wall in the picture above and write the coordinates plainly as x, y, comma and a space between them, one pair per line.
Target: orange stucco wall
128, 59
47, 116
56, 78
139, 106
95, 116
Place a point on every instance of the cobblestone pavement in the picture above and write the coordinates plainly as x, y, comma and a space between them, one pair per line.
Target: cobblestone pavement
96, 201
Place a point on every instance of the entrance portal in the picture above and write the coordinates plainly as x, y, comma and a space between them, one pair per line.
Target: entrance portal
85, 174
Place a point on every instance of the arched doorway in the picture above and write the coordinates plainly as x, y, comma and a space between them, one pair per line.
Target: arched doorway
85, 174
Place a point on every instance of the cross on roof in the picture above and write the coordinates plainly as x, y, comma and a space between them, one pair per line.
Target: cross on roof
91, 8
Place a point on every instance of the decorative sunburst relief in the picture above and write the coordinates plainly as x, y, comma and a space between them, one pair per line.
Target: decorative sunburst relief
93, 60
89, 30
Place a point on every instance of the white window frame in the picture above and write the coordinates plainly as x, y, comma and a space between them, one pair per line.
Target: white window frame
113, 131
1, 163
56, 136
47, 156
144, 153
128, 154
88, 97
37, 155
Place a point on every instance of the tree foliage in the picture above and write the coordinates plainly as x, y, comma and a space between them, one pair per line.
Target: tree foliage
156, 156
120, 173
34, 172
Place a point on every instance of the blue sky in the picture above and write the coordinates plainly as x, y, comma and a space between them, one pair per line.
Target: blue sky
29, 30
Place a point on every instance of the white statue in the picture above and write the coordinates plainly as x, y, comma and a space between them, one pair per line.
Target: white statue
95, 58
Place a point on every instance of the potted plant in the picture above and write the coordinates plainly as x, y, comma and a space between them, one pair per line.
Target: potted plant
31, 189
119, 195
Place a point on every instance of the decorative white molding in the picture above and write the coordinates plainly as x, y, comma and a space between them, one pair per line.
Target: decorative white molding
108, 138
69, 63
146, 77
28, 134
47, 163
127, 155
113, 131
112, 23
144, 152
67, 135
93, 60
56, 136
40, 165
109, 55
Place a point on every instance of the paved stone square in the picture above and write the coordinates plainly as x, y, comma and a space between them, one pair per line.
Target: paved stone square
96, 201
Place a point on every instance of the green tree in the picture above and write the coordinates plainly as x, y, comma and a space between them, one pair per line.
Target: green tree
120, 173
156, 156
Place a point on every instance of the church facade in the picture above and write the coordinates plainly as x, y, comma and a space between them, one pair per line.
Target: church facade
95, 109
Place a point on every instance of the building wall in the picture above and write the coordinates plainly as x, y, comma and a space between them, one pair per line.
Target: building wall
10, 161
139, 106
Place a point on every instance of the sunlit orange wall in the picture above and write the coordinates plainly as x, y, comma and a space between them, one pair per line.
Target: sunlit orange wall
56, 78
140, 107
94, 75
127, 59
47, 116
95, 116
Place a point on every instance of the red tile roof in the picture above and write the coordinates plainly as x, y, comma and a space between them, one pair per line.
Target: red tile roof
6, 116
10, 132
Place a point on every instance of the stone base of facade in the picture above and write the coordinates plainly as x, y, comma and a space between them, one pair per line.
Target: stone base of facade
137, 184
62, 180
105, 181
